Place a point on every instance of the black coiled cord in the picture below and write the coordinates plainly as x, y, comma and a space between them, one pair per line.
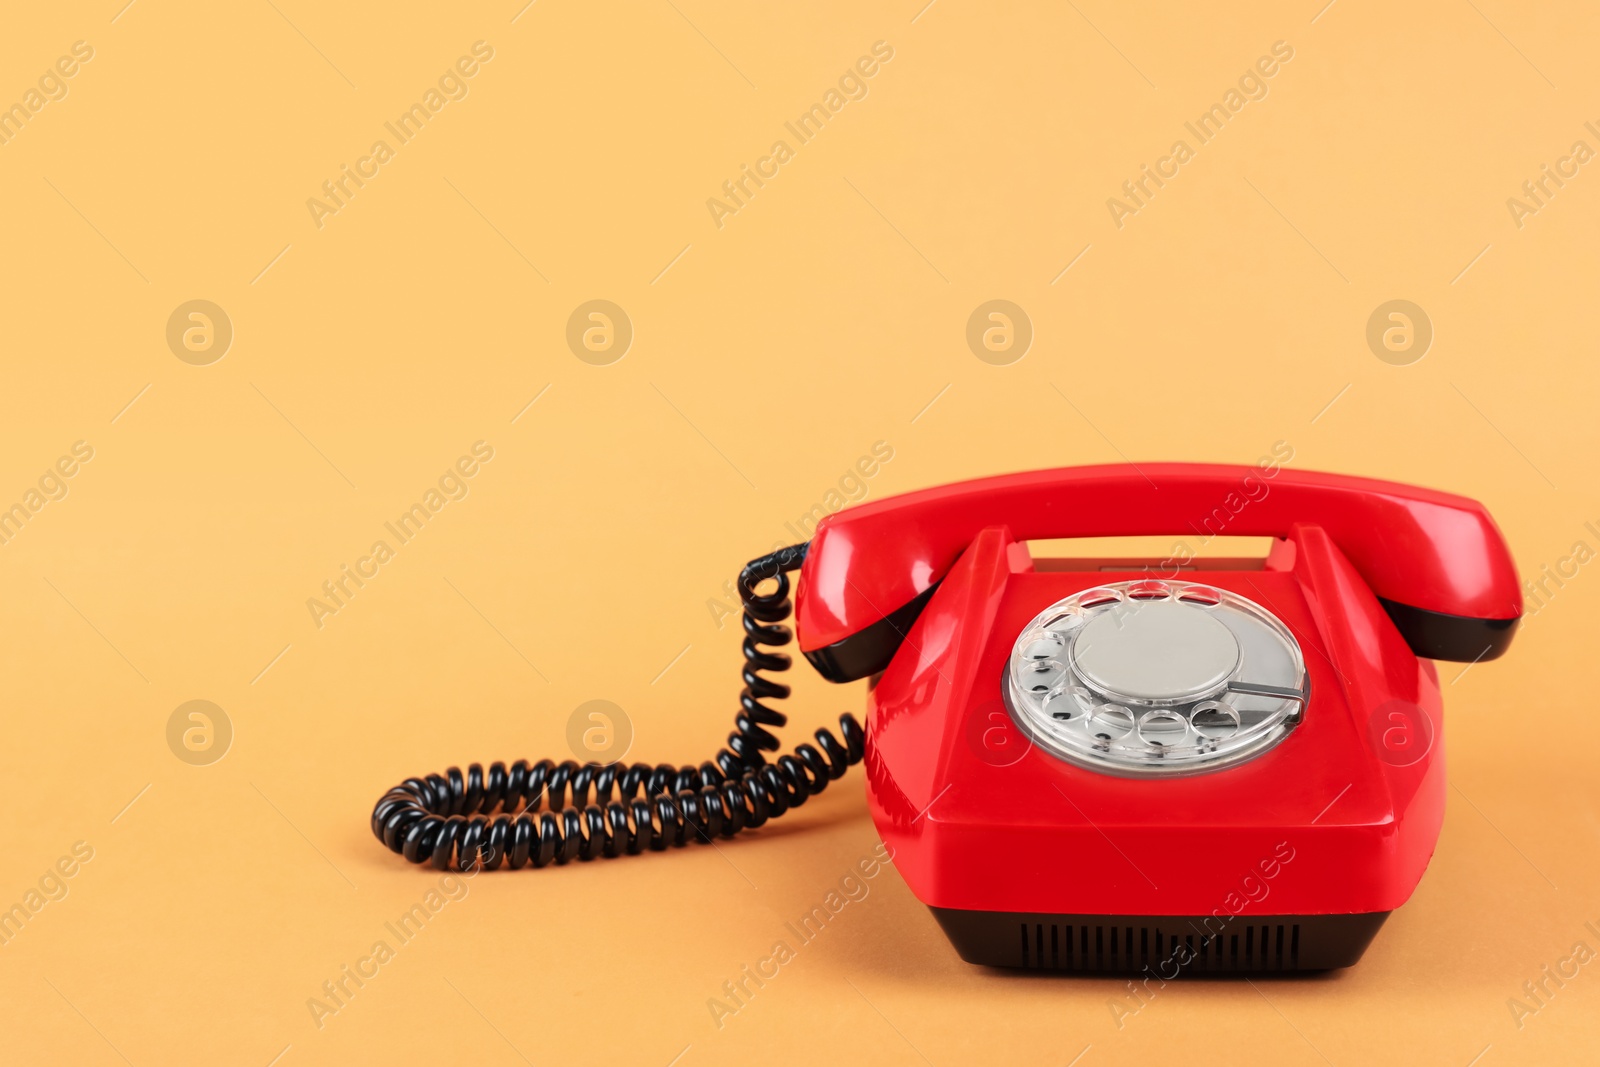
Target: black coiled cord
479, 819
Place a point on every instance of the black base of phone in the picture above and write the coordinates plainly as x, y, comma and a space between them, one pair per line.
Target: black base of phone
1161, 946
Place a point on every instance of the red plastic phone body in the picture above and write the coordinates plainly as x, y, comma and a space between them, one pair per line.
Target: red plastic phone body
979, 822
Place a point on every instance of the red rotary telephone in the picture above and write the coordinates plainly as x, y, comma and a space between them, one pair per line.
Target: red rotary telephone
1082, 764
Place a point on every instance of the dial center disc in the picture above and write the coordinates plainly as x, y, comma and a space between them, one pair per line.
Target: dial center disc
1155, 651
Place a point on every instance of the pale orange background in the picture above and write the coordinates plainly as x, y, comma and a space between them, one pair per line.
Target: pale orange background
769, 354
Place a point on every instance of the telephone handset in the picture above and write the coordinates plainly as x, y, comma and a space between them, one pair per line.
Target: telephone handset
1436, 562
1224, 765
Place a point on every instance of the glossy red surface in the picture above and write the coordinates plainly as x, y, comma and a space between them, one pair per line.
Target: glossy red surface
1415, 546
1353, 796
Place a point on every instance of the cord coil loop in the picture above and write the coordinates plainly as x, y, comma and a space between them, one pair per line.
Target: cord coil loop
547, 812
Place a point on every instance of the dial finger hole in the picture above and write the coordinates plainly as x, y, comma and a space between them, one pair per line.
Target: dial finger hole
1096, 598
1064, 624
1041, 645
1111, 722
1063, 705
1040, 676
1201, 595
1151, 590
1162, 729
1214, 720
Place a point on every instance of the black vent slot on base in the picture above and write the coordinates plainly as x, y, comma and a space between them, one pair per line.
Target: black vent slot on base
1162, 945
1120, 949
